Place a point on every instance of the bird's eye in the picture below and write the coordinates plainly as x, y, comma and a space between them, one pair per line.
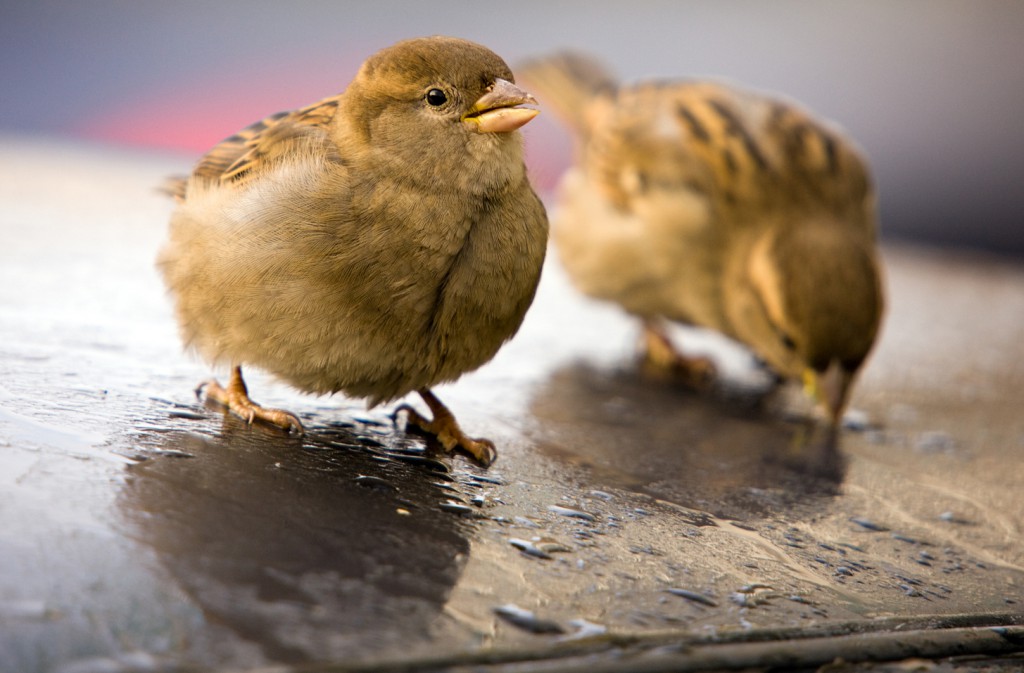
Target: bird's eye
436, 97
787, 341
852, 364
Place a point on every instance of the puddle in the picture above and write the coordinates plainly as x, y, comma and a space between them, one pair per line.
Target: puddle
314, 550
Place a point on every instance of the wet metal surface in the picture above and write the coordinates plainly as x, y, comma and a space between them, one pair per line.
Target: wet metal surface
143, 530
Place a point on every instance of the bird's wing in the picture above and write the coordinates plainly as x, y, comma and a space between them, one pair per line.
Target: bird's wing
248, 153
743, 151
766, 152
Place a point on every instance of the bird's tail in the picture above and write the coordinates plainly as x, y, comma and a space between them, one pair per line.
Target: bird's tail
174, 186
567, 81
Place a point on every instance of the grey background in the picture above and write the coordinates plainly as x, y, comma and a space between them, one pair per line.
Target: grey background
932, 89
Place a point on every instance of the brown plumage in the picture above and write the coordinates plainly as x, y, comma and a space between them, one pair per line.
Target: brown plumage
378, 242
707, 204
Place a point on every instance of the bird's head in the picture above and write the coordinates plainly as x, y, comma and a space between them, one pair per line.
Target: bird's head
815, 307
435, 100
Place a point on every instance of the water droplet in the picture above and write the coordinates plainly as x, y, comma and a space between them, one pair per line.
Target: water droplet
172, 453
458, 508
550, 545
585, 629
868, 524
693, 596
529, 548
904, 538
375, 483
526, 620
187, 415
366, 420
149, 427
541, 547
496, 481
573, 513
856, 421
428, 463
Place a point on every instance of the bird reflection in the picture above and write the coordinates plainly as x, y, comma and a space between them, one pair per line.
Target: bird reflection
728, 452
323, 548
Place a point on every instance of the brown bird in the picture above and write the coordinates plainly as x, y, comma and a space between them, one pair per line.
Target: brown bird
706, 204
378, 242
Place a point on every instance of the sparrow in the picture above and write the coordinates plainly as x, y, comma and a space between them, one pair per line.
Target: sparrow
377, 242
707, 204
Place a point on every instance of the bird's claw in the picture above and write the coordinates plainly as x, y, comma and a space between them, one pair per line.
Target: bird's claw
448, 434
698, 373
236, 399
660, 358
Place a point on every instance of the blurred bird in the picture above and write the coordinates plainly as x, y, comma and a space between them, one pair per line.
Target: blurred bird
375, 243
705, 204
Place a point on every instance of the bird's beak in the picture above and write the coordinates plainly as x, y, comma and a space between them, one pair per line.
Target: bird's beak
830, 388
497, 110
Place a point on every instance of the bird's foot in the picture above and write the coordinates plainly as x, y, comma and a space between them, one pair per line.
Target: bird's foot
236, 398
660, 358
446, 430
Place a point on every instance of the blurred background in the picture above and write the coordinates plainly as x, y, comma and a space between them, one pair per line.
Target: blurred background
932, 89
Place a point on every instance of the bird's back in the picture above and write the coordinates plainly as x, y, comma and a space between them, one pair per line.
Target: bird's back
749, 154
256, 148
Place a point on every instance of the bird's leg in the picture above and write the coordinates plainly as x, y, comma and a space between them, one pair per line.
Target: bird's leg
660, 357
236, 398
446, 429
